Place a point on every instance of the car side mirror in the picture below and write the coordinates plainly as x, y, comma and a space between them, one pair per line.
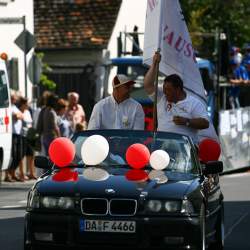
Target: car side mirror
213, 167
42, 162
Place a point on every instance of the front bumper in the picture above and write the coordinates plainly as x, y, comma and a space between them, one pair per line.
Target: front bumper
151, 232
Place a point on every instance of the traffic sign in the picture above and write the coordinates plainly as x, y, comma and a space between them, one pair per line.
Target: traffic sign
11, 20
34, 69
25, 41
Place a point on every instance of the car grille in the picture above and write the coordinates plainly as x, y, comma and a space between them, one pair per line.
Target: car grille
115, 207
94, 206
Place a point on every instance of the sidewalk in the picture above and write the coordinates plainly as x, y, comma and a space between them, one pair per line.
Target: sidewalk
15, 184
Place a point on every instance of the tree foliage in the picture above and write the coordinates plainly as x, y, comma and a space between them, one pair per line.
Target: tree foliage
230, 16
44, 80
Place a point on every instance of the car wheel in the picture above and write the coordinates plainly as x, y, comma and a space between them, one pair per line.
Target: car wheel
201, 244
220, 232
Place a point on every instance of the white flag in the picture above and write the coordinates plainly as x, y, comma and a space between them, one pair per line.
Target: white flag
166, 29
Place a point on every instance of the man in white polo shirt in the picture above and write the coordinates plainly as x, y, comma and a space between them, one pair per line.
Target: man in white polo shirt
178, 111
118, 111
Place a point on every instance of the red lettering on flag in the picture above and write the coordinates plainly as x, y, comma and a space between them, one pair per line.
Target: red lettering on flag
178, 43
169, 38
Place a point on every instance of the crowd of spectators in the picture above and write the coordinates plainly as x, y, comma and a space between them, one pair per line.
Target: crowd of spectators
34, 128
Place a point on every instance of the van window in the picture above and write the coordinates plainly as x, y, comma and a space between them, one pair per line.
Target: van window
4, 99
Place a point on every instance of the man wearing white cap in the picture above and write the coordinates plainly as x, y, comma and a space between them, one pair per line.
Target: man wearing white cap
118, 111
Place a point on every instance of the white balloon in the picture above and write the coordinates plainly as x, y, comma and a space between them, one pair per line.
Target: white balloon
159, 159
94, 150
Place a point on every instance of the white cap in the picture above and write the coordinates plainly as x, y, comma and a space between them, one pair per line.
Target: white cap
120, 80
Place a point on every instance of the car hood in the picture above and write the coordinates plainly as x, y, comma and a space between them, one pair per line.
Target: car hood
175, 186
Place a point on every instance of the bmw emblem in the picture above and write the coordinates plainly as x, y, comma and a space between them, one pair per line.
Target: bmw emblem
109, 191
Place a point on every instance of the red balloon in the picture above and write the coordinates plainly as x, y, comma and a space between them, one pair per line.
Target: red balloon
138, 175
209, 150
65, 174
62, 151
137, 155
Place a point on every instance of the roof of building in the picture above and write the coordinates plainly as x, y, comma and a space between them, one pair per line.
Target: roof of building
64, 24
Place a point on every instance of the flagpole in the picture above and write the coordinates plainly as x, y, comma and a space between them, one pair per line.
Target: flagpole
156, 96
157, 68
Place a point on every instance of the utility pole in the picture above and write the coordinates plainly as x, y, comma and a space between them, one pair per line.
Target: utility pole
25, 57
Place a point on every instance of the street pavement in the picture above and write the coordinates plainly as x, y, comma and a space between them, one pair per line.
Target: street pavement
237, 212
13, 197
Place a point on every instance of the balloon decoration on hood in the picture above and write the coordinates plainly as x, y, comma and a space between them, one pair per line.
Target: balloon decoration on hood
137, 155
65, 175
62, 151
94, 150
209, 150
159, 159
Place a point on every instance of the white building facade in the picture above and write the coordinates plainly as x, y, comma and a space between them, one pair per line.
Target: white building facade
11, 10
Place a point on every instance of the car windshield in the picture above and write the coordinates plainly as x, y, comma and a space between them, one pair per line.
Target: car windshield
178, 147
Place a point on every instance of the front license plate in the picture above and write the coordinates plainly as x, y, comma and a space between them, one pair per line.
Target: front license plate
107, 226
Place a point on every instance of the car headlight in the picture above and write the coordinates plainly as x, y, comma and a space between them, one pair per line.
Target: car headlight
65, 203
154, 205
49, 202
187, 207
57, 202
172, 206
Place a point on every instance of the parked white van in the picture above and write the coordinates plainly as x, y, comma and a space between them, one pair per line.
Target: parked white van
5, 118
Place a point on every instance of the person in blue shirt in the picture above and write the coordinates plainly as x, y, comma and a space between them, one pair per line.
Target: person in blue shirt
238, 77
247, 63
245, 88
246, 57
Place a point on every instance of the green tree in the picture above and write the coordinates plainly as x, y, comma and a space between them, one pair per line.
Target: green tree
44, 80
230, 16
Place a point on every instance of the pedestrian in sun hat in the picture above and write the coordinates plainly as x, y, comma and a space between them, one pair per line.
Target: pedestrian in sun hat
118, 111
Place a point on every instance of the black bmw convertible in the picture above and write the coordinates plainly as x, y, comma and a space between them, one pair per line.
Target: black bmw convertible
112, 205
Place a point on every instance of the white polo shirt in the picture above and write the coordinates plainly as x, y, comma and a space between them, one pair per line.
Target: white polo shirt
190, 108
108, 114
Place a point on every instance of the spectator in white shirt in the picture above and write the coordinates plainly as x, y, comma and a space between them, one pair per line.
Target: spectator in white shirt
178, 111
118, 111
17, 143
28, 151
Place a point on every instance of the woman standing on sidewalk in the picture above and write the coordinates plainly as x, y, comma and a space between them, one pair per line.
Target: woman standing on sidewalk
49, 120
27, 149
17, 143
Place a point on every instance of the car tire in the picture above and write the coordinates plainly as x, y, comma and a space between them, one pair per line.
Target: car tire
201, 244
220, 232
